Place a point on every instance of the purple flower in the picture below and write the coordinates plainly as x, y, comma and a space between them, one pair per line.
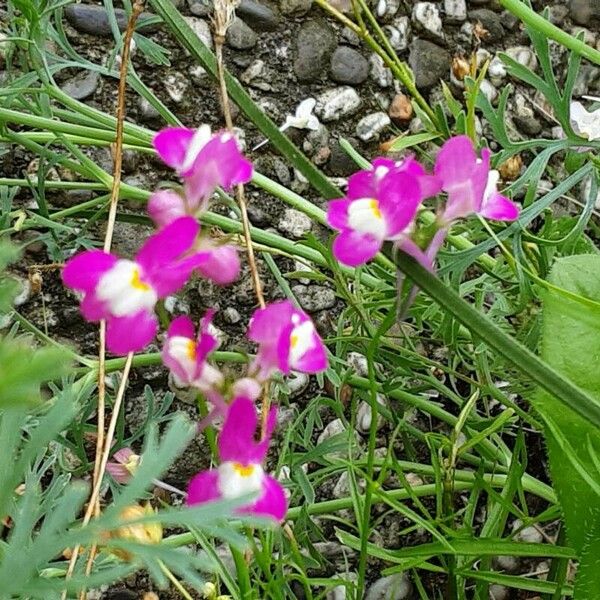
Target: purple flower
203, 160
470, 184
185, 354
287, 340
240, 472
124, 292
380, 205
123, 465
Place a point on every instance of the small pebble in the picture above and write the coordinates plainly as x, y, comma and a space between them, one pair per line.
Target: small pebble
499, 592
510, 564
429, 63
313, 298
380, 74
524, 55
392, 587
231, 315
24, 293
348, 66
364, 415
240, 36
399, 33
297, 382
335, 427
400, 110
370, 127
202, 30
81, 86
93, 20
295, 7
490, 22
294, 223
177, 86
335, 103
386, 9
427, 16
257, 15
315, 44
456, 10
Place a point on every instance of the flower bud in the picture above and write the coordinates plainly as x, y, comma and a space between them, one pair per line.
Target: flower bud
165, 206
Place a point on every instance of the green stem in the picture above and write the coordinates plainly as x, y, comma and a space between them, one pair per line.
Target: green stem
537, 22
511, 350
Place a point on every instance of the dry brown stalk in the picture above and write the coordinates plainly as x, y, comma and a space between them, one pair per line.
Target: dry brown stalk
224, 13
103, 443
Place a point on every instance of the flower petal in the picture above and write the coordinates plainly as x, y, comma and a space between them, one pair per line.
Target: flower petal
399, 199
167, 245
353, 248
83, 271
315, 359
204, 487
93, 309
272, 503
337, 213
171, 144
131, 333
221, 264
455, 161
500, 208
182, 326
165, 206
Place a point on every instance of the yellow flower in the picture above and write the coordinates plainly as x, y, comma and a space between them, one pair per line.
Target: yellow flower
143, 533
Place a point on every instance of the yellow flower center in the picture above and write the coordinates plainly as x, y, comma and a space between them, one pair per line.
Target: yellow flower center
137, 283
294, 340
243, 470
190, 350
374, 206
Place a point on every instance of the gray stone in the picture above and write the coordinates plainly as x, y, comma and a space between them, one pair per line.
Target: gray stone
335, 427
349, 66
177, 86
240, 36
392, 587
231, 315
583, 11
456, 10
380, 74
429, 63
399, 33
200, 8
427, 16
370, 127
295, 7
557, 13
340, 163
364, 415
147, 111
524, 55
295, 223
387, 9
92, 19
24, 293
499, 592
81, 86
202, 29
524, 116
258, 16
490, 21
314, 45
336, 103
297, 382
314, 297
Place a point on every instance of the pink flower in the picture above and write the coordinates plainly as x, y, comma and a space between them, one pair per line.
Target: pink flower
165, 206
124, 292
470, 184
287, 340
185, 354
123, 465
203, 160
240, 472
380, 205
221, 264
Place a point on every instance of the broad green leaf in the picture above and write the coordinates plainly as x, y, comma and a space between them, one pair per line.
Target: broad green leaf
588, 574
571, 346
408, 141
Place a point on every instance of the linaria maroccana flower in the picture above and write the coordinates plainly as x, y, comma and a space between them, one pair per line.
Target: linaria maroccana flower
123, 466
470, 184
204, 161
287, 340
380, 204
124, 292
186, 355
221, 262
240, 472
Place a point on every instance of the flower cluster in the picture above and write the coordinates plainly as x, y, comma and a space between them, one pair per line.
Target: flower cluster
382, 203
124, 293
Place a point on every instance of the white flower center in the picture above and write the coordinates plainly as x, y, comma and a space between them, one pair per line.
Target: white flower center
183, 349
237, 479
364, 216
491, 187
301, 341
201, 138
124, 290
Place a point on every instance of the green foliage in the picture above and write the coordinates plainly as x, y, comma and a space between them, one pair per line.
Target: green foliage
571, 345
22, 366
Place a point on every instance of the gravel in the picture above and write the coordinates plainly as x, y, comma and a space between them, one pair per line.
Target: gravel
93, 20
348, 66
240, 36
429, 62
315, 43
335, 103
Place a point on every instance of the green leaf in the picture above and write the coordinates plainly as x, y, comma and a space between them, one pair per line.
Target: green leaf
23, 369
571, 346
408, 141
588, 574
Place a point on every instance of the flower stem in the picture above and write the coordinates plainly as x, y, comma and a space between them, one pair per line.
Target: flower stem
537, 22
